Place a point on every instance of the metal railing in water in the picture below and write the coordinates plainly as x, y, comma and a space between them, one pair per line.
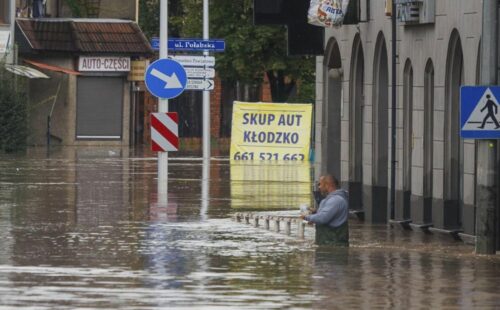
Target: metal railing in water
279, 222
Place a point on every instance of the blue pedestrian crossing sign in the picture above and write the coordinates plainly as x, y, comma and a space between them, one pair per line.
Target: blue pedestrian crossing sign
479, 112
166, 78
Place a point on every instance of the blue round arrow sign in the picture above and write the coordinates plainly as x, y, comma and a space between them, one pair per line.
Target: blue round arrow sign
166, 78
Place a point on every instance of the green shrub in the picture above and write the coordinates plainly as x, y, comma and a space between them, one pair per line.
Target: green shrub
13, 112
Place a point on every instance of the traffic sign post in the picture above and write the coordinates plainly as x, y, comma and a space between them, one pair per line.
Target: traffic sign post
206, 94
479, 106
163, 104
198, 77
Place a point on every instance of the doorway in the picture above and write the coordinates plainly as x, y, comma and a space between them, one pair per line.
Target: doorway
356, 121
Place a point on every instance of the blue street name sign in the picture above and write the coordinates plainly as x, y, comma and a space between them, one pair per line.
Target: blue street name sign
479, 112
166, 78
193, 45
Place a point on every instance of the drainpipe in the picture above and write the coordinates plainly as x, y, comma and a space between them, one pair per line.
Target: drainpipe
137, 11
49, 117
487, 149
393, 111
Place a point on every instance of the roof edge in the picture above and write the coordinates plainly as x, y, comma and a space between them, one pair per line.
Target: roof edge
80, 20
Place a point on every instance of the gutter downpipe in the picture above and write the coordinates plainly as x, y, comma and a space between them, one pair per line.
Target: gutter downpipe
393, 112
486, 185
11, 58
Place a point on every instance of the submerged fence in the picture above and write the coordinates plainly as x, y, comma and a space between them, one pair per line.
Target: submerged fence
278, 223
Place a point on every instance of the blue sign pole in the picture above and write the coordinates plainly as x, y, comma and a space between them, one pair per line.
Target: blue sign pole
163, 103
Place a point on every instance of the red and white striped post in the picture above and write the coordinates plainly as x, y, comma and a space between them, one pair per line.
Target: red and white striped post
165, 132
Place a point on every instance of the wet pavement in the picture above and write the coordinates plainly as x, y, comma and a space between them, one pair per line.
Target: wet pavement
84, 228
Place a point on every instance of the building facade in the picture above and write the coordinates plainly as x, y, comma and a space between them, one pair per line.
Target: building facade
88, 98
436, 169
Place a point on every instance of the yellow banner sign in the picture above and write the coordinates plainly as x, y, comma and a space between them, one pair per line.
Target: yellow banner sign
271, 131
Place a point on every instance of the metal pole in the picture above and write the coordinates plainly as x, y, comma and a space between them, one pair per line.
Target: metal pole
487, 149
163, 103
393, 112
206, 94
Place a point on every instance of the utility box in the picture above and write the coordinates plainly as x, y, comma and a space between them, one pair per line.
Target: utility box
416, 12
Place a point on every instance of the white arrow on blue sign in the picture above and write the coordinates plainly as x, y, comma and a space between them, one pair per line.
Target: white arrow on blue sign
166, 78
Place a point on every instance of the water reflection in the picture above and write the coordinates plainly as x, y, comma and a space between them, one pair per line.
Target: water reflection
102, 195
270, 186
205, 188
86, 229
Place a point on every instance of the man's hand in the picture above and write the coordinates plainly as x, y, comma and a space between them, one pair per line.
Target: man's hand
302, 217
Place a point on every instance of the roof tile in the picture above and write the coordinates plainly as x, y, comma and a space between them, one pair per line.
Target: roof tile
85, 36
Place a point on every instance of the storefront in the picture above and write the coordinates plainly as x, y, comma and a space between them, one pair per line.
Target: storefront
91, 103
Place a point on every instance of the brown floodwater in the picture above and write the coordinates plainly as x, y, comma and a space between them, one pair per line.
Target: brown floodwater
84, 228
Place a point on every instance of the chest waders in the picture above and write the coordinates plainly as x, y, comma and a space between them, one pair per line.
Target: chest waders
326, 235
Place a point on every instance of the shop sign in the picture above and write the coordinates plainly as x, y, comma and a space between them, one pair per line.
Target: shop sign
104, 64
137, 70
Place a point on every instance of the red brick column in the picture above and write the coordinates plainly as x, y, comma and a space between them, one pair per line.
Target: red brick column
265, 94
150, 106
215, 108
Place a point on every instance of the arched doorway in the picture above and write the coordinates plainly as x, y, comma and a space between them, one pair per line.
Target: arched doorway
332, 110
380, 132
428, 142
356, 99
404, 213
453, 145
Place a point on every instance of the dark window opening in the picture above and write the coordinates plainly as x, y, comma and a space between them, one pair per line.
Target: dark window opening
4, 12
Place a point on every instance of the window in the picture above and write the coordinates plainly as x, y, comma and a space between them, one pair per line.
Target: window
4, 12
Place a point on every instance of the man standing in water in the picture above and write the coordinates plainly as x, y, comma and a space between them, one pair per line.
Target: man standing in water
331, 218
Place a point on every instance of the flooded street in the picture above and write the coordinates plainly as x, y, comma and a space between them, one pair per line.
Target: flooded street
83, 228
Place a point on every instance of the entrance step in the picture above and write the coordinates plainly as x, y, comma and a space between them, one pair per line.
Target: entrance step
357, 214
423, 227
467, 239
452, 232
405, 224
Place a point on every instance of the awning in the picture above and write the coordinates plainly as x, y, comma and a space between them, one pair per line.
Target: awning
51, 67
26, 72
